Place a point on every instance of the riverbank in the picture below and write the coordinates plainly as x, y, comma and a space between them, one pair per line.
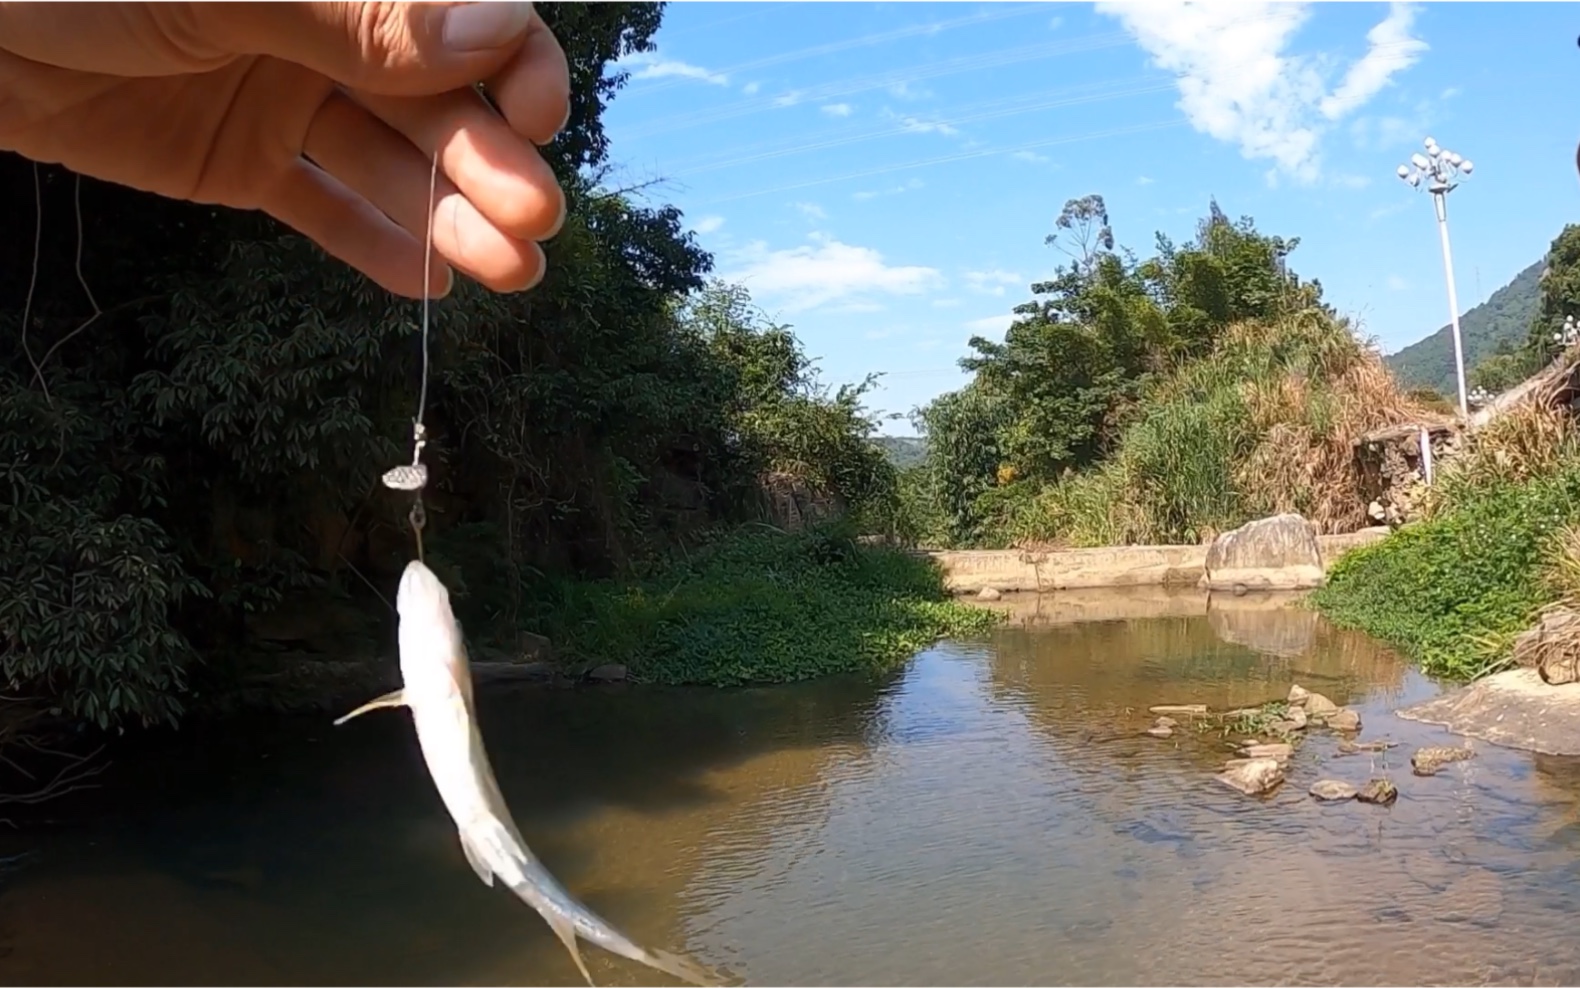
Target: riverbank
967, 571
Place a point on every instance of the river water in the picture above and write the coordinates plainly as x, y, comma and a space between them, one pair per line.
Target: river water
988, 815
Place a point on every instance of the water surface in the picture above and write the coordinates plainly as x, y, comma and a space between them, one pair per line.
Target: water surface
990, 815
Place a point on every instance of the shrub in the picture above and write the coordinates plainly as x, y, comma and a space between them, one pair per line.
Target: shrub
1453, 590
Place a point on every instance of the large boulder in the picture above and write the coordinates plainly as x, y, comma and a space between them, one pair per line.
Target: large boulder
1277, 553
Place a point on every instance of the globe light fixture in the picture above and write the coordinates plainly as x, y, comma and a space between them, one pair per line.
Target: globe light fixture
1439, 170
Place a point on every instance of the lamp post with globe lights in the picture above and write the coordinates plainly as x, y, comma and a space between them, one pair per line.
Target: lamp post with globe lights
1436, 172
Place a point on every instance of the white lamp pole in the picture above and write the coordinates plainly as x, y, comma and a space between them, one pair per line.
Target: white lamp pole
1437, 169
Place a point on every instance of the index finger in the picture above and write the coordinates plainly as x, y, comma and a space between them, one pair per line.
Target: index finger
533, 90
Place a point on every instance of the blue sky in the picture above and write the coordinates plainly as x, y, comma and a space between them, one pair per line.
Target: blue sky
882, 176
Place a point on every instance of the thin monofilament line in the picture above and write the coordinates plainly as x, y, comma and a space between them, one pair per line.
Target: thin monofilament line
427, 280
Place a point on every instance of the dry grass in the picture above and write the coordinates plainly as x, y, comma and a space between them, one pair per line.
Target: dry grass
1304, 459
1265, 424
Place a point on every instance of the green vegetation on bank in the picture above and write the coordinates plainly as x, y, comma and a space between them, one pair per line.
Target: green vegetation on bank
1155, 400
763, 606
1497, 544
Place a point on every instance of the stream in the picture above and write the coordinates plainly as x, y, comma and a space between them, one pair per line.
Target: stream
991, 814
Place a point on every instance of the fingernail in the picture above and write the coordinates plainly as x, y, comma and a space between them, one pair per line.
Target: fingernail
472, 27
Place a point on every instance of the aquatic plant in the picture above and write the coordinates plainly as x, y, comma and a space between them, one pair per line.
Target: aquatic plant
760, 605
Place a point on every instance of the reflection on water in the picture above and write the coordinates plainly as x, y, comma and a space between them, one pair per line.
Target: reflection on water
989, 816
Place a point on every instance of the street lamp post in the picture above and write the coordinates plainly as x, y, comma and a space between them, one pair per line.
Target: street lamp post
1437, 170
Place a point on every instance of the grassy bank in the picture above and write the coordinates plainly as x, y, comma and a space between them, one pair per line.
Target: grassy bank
1261, 425
763, 606
1498, 545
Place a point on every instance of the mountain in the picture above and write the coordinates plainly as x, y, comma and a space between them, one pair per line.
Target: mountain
1505, 317
903, 451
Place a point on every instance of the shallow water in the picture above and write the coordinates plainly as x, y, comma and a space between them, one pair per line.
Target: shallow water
988, 816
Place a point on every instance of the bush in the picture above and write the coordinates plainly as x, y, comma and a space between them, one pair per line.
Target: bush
1452, 591
763, 606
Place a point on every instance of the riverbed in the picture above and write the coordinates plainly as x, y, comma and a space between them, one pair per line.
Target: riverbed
990, 814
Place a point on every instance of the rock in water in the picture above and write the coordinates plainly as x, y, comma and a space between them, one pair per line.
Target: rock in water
1332, 790
1345, 720
1161, 731
1319, 706
1298, 695
1166, 722
988, 593
1277, 553
1430, 761
1189, 709
1296, 718
1379, 791
1253, 776
611, 673
1277, 752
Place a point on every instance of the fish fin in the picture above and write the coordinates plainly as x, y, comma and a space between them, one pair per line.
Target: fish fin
686, 970
566, 930
476, 860
394, 698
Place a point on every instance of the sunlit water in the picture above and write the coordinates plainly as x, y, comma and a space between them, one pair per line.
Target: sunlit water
990, 815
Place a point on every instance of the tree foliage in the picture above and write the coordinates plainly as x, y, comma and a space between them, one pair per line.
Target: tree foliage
1054, 395
207, 447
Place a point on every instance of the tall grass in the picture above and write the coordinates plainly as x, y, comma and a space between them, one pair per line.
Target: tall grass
1266, 423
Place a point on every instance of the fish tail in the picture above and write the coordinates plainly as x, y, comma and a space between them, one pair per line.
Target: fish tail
570, 919
566, 931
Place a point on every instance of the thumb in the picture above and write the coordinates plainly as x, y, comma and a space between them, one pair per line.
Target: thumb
395, 49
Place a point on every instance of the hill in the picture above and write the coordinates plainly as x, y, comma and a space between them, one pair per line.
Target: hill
903, 451
1505, 317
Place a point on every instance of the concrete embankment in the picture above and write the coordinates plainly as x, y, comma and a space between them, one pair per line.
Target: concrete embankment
1013, 570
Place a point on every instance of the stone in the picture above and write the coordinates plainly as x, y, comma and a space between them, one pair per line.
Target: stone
1379, 791
1296, 718
1160, 731
1319, 707
1188, 709
988, 593
1166, 722
1276, 751
1349, 747
610, 673
1431, 760
1253, 776
1332, 790
1552, 646
535, 647
1345, 720
1277, 553
1298, 695
1514, 709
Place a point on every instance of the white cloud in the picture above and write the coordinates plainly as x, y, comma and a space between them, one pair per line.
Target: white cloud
810, 210
1055, 23
893, 190
1397, 284
945, 303
885, 333
838, 109
1381, 133
1144, 180
992, 282
991, 324
825, 271
916, 125
788, 99
1350, 181
1031, 156
751, 88
907, 90
1450, 92
1238, 83
1392, 50
708, 224
647, 65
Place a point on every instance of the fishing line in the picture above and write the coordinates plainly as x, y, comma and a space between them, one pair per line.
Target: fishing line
415, 477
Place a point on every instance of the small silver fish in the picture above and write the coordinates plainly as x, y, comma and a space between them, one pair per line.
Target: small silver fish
437, 688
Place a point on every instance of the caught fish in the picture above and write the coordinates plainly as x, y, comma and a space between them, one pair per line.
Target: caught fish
437, 687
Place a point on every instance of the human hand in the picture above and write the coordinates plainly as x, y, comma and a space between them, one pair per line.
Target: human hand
324, 115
